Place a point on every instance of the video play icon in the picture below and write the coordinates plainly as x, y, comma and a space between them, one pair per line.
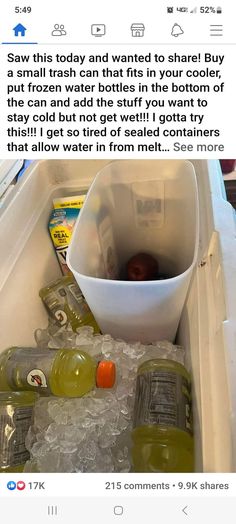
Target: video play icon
98, 29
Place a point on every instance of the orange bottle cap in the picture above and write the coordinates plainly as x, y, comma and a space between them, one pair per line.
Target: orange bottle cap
106, 374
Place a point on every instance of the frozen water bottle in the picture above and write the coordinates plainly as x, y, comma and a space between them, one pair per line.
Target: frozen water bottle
162, 432
60, 372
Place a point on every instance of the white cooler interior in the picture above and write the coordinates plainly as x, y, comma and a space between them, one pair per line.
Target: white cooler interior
207, 326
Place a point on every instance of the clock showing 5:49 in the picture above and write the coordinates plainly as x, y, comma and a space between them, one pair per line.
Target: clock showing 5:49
19, 9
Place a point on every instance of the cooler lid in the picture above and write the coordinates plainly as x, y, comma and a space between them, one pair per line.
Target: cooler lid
8, 171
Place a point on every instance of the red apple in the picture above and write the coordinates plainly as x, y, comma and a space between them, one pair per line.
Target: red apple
227, 166
142, 267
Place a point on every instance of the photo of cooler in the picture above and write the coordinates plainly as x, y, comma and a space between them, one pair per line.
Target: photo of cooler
91, 430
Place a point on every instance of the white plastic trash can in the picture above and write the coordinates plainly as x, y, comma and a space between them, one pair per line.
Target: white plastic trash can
133, 207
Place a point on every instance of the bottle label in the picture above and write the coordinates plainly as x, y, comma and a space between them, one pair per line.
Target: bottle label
76, 301
148, 201
12, 442
65, 301
163, 398
30, 369
55, 303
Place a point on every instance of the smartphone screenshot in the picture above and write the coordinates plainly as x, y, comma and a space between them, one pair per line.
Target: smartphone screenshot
118, 262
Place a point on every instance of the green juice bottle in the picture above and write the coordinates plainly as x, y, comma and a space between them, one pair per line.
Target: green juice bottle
162, 432
60, 372
66, 304
16, 413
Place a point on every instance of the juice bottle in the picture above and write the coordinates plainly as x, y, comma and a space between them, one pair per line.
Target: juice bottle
66, 304
16, 412
162, 430
60, 372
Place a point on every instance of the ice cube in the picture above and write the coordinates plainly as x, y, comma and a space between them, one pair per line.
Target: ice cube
74, 434
41, 337
30, 438
54, 409
120, 455
126, 451
106, 440
122, 390
125, 468
123, 424
41, 416
67, 463
48, 463
51, 433
124, 409
31, 466
68, 447
89, 450
40, 449
107, 348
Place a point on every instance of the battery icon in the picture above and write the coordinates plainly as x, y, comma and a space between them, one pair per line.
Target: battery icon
219, 10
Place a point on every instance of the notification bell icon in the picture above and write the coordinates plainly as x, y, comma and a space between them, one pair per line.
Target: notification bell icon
176, 30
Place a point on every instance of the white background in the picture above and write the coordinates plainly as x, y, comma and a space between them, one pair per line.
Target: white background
157, 38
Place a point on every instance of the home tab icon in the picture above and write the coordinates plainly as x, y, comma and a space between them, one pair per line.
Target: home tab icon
137, 30
19, 30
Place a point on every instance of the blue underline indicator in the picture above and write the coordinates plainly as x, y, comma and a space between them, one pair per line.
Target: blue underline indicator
19, 43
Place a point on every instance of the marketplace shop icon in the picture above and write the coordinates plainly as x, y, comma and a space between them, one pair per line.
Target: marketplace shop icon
137, 30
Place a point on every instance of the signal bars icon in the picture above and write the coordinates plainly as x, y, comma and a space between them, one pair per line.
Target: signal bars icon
194, 10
